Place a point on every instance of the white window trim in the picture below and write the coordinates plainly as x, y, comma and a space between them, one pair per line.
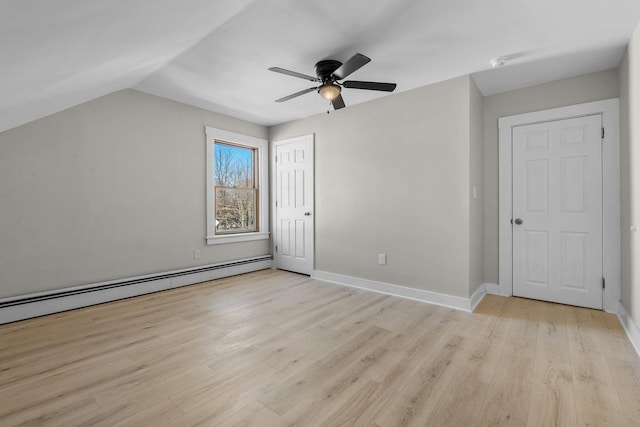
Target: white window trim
262, 159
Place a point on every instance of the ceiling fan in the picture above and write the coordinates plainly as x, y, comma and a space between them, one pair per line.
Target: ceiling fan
328, 72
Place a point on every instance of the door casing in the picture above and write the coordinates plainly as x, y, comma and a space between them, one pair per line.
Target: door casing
609, 109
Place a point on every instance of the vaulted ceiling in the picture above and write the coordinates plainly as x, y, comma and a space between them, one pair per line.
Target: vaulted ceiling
215, 54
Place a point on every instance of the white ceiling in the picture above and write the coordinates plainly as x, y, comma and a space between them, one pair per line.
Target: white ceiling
214, 54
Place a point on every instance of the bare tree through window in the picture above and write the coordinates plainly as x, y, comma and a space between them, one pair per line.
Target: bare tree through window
236, 195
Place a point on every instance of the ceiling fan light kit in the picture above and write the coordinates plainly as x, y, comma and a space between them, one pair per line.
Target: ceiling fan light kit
328, 72
329, 91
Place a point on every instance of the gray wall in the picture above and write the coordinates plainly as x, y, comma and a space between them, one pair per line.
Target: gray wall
476, 179
111, 188
115, 187
392, 176
575, 90
630, 177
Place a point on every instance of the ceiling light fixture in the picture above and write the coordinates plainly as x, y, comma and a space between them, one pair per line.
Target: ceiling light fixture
498, 62
329, 91
329, 72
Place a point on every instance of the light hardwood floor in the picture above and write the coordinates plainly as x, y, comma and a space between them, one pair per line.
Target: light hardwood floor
276, 349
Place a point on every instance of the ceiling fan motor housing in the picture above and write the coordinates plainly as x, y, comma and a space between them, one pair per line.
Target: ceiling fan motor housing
325, 68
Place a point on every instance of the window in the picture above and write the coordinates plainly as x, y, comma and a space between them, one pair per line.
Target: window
237, 189
236, 194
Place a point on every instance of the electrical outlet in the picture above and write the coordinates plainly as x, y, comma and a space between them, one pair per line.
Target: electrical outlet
382, 259
196, 254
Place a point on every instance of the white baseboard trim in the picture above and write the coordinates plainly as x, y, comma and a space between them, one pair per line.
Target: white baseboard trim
494, 289
42, 303
611, 305
450, 301
478, 296
630, 326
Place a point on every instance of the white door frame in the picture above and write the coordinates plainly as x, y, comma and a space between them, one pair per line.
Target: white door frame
274, 180
609, 109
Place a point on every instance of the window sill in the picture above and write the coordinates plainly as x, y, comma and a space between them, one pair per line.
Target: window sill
233, 238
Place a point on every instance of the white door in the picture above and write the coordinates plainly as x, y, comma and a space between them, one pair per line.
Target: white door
294, 204
557, 211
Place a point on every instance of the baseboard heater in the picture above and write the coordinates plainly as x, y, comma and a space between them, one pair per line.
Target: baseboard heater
38, 304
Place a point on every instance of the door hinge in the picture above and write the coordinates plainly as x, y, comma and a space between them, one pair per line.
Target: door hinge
602, 133
276, 203
603, 283
276, 248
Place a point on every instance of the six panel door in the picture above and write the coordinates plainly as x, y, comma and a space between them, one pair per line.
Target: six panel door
294, 205
557, 211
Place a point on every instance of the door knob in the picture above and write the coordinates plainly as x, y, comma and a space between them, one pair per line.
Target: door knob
518, 221
307, 214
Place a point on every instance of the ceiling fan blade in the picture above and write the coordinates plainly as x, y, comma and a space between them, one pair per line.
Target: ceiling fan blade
385, 87
294, 74
354, 63
302, 92
338, 103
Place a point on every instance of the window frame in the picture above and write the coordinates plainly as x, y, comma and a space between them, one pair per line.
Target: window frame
261, 172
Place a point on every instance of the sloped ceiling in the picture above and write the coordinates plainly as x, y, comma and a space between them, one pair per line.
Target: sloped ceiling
215, 53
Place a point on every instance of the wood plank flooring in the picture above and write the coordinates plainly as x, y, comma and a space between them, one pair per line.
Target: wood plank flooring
273, 348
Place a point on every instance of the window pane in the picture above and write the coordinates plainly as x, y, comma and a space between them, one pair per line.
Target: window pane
235, 210
233, 166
